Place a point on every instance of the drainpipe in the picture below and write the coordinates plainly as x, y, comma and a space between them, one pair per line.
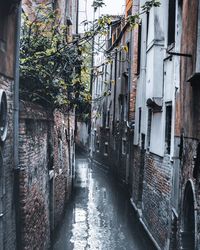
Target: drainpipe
77, 12
115, 92
129, 74
16, 131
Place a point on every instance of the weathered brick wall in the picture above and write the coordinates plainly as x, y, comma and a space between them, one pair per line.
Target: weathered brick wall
45, 175
187, 102
188, 163
136, 155
34, 176
63, 171
156, 206
7, 194
8, 239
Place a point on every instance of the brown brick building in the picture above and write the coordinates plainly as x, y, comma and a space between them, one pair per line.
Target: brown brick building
187, 126
36, 149
8, 86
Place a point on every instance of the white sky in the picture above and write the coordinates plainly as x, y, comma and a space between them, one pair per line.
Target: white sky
113, 7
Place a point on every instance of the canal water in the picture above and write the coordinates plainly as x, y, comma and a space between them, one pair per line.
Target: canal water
99, 216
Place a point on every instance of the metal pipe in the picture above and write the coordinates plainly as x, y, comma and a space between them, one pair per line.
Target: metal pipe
77, 14
16, 131
115, 91
130, 74
179, 54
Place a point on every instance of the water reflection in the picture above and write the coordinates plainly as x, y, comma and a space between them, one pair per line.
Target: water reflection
99, 216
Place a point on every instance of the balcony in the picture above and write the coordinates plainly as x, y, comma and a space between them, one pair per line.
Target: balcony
155, 104
194, 78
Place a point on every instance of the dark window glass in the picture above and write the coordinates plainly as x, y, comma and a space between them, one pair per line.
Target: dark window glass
171, 21
149, 128
139, 49
140, 116
168, 128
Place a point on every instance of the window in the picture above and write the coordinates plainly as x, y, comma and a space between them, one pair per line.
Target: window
125, 108
124, 146
149, 128
106, 72
121, 107
171, 22
128, 55
60, 154
139, 49
108, 119
106, 149
114, 143
119, 64
111, 73
168, 127
54, 4
139, 125
104, 113
97, 145
147, 27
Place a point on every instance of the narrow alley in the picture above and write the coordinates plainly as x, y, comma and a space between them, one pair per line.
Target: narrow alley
100, 215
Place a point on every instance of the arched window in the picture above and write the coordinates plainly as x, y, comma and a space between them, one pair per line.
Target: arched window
188, 219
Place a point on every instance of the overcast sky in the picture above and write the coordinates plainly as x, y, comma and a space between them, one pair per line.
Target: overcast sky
113, 7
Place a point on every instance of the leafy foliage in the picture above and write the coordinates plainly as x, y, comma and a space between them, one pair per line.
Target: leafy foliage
97, 4
55, 70
49, 66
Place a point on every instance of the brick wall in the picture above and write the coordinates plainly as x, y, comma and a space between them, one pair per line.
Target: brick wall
188, 114
45, 175
156, 200
7, 195
188, 164
136, 155
34, 176
63, 171
7, 222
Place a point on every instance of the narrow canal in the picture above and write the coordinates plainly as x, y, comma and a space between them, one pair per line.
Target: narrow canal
99, 216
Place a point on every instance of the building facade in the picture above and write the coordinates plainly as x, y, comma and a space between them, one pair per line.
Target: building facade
8, 48
36, 149
149, 121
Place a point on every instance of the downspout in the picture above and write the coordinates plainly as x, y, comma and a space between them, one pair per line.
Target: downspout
129, 74
16, 132
77, 20
115, 90
91, 91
